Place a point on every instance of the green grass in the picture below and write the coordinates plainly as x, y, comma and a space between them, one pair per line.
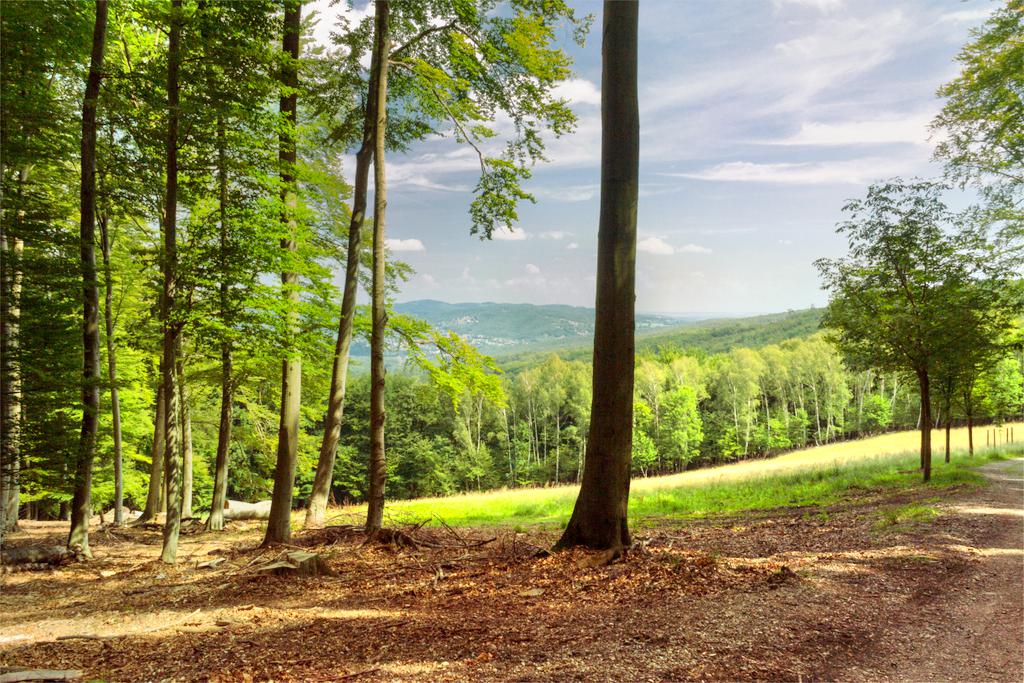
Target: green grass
902, 515
811, 486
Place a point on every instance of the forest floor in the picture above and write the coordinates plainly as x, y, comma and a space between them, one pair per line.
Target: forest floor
907, 585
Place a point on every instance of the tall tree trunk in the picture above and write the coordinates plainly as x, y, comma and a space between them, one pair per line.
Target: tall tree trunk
10, 392
926, 424
949, 426
81, 505
339, 374
279, 527
215, 522
378, 467
115, 400
970, 433
156, 467
172, 523
185, 421
599, 516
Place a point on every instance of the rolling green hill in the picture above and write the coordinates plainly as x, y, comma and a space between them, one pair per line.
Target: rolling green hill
709, 336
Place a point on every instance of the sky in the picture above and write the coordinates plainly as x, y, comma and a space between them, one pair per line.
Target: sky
758, 118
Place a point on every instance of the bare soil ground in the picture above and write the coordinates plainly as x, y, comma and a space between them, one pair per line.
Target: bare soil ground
848, 593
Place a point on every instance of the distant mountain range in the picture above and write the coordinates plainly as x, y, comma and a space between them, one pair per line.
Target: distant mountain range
519, 334
503, 328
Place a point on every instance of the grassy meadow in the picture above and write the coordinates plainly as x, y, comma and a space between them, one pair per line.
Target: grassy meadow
813, 476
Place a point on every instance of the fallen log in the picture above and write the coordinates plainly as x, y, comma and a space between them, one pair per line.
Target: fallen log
35, 557
14, 674
240, 510
298, 563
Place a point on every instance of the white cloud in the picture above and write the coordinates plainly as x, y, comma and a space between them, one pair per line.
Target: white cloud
965, 16
508, 234
692, 248
789, 75
820, 5
578, 91
404, 245
572, 245
567, 193
329, 13
532, 269
847, 172
655, 245
912, 129
429, 280
555, 235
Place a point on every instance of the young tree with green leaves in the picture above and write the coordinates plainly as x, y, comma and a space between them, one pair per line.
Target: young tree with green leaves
914, 290
983, 115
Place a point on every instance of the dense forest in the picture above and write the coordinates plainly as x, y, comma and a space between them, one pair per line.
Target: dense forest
220, 214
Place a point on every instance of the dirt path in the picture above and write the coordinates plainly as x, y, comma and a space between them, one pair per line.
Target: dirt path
912, 585
974, 629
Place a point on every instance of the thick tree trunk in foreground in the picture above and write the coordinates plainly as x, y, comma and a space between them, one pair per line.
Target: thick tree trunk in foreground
172, 523
279, 527
10, 378
336, 401
378, 464
926, 424
215, 522
599, 516
81, 505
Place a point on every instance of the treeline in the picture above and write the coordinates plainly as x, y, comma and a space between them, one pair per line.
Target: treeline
529, 428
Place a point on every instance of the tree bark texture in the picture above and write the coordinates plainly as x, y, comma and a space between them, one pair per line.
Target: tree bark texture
926, 423
599, 517
11, 249
279, 526
215, 522
168, 368
336, 401
378, 463
156, 467
185, 421
81, 505
115, 399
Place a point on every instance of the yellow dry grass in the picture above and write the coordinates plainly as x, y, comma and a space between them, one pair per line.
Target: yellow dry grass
552, 502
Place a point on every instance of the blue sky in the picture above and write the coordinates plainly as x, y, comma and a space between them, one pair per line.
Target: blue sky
758, 119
